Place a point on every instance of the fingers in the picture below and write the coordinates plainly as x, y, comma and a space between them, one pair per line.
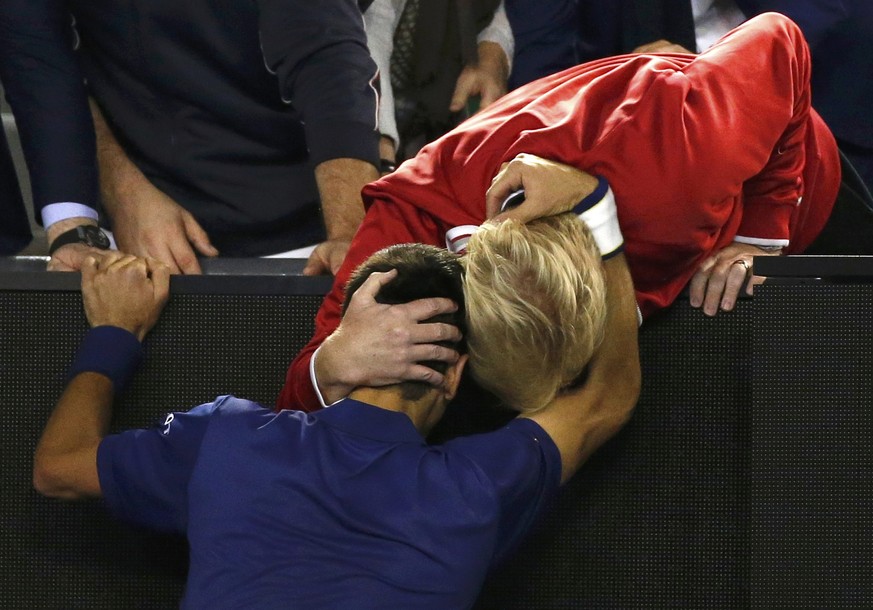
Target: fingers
427, 353
372, 285
491, 92
183, 255
327, 258
661, 46
464, 88
197, 236
718, 283
737, 274
160, 276
434, 332
424, 309
507, 181
419, 372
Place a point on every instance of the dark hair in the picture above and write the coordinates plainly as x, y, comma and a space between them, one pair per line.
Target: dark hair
422, 272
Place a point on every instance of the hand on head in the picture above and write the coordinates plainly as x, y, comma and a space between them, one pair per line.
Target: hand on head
550, 188
378, 344
124, 290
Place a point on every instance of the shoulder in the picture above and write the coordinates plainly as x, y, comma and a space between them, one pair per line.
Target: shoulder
519, 453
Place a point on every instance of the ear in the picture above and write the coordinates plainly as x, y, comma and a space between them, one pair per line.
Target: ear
452, 377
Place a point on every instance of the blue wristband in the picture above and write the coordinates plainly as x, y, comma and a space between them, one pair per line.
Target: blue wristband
110, 351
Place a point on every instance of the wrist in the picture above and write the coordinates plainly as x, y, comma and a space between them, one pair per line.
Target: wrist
599, 212
62, 226
110, 351
328, 384
86, 234
492, 57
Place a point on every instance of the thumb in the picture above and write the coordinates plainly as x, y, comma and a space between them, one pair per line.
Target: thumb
373, 284
197, 236
519, 214
506, 182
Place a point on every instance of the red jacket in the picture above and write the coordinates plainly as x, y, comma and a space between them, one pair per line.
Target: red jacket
698, 150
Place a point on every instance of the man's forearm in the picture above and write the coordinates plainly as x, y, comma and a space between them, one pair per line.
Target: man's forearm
65, 463
339, 183
66, 456
118, 174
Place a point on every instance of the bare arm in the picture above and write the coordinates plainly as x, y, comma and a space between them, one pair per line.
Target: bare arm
119, 291
339, 184
584, 418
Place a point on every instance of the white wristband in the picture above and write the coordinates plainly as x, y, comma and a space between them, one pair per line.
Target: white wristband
599, 212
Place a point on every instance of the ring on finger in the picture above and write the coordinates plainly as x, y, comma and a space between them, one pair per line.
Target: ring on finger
742, 262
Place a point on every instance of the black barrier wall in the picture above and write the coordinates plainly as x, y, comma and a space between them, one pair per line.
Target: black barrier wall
743, 478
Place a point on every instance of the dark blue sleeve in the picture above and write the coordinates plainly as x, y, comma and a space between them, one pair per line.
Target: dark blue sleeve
545, 33
41, 77
523, 466
144, 474
816, 18
15, 228
319, 53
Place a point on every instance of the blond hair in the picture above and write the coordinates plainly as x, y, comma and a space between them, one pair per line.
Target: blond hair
535, 297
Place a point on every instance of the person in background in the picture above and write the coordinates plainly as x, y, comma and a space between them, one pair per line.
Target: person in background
241, 128
437, 60
45, 89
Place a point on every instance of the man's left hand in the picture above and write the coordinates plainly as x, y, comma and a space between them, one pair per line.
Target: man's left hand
718, 281
662, 46
549, 187
327, 257
487, 78
72, 256
125, 291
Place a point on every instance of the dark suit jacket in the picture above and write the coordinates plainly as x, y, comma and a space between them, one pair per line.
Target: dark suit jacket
840, 36
41, 77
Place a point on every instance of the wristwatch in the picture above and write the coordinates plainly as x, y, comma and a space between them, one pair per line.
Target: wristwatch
90, 235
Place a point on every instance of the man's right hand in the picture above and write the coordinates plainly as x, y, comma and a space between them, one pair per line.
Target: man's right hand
124, 291
145, 221
148, 223
378, 344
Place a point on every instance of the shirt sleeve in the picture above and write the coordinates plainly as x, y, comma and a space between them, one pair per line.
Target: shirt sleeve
381, 21
499, 32
318, 51
144, 474
523, 466
46, 91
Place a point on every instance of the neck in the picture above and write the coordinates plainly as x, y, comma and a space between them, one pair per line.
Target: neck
423, 412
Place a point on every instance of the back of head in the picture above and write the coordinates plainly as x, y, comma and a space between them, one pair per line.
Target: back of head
535, 297
422, 272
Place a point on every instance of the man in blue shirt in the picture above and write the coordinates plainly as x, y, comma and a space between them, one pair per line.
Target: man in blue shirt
348, 507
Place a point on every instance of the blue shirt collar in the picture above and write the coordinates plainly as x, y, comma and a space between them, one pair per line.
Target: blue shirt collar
366, 420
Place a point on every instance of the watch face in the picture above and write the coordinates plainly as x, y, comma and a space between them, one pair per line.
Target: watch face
93, 236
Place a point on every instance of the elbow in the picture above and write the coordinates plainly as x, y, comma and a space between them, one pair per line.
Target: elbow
51, 478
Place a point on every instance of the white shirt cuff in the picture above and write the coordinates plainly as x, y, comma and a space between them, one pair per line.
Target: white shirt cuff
56, 212
314, 381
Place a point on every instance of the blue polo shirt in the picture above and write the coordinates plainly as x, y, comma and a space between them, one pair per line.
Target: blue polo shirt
344, 508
